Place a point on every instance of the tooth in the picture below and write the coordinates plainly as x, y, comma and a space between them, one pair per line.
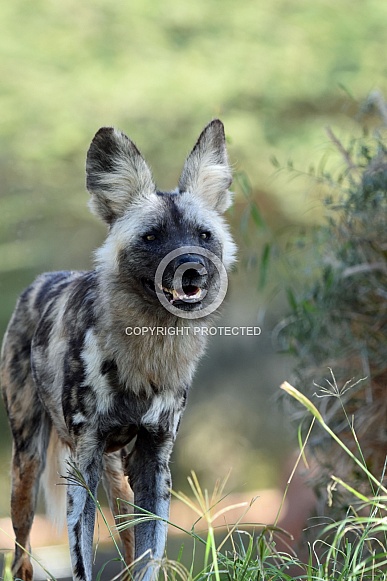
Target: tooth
188, 298
182, 296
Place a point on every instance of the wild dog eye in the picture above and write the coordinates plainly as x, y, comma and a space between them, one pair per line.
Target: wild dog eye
205, 235
149, 237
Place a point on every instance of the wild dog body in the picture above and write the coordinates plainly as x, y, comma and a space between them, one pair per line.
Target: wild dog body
73, 378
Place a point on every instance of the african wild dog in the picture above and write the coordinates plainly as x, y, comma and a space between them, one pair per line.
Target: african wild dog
76, 386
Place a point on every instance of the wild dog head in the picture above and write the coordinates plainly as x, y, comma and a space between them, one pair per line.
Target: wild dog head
166, 248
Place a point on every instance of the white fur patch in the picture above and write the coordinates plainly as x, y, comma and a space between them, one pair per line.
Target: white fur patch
92, 359
166, 402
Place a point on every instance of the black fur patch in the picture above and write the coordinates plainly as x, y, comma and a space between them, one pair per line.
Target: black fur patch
101, 156
79, 565
109, 369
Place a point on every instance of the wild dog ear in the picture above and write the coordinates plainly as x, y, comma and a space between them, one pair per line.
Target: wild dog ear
116, 173
206, 172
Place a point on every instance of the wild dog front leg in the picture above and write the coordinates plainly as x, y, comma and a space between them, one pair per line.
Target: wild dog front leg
150, 480
81, 507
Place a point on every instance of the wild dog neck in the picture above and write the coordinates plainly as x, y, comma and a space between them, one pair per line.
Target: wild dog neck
154, 351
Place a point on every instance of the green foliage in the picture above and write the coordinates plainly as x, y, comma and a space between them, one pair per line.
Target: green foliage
338, 308
338, 305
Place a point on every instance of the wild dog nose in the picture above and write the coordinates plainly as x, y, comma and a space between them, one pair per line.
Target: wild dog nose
189, 279
186, 276
195, 264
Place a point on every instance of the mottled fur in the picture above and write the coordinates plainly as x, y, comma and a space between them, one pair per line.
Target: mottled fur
77, 387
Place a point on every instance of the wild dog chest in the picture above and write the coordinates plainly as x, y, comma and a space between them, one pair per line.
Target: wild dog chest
116, 420
161, 413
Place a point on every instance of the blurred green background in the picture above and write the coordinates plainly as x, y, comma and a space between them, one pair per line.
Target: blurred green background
277, 73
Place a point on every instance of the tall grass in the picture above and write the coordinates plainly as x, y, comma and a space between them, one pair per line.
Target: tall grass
351, 549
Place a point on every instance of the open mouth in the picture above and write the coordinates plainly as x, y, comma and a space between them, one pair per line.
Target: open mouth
187, 294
